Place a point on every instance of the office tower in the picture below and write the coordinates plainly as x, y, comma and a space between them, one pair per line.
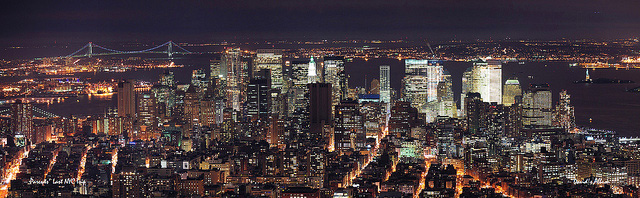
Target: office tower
445, 104
147, 117
167, 79
335, 75
349, 127
270, 59
511, 91
484, 78
21, 122
126, 99
199, 79
275, 135
385, 84
536, 107
259, 99
191, 106
375, 87
403, 118
312, 75
373, 119
165, 99
474, 108
446, 130
467, 87
420, 84
236, 79
564, 113
297, 96
319, 106
208, 110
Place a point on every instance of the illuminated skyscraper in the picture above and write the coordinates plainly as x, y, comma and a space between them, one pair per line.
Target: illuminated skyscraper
270, 59
21, 122
312, 75
484, 78
537, 106
199, 79
147, 117
126, 99
420, 84
445, 103
334, 74
297, 96
349, 129
167, 79
191, 106
258, 99
564, 113
511, 90
237, 77
385, 87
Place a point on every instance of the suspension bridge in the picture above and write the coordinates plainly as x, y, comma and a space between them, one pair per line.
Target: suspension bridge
90, 49
36, 113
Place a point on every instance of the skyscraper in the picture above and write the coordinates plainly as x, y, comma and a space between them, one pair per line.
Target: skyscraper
484, 78
236, 79
537, 106
511, 90
420, 84
191, 106
564, 113
445, 104
126, 99
334, 74
375, 87
319, 106
199, 79
147, 117
258, 99
349, 129
312, 75
21, 122
270, 59
385, 84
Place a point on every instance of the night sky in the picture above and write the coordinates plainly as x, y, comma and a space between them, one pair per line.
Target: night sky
107, 20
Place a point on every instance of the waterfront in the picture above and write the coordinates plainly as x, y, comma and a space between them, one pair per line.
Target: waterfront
602, 106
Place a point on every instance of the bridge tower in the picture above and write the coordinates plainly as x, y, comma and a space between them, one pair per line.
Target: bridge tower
90, 52
169, 49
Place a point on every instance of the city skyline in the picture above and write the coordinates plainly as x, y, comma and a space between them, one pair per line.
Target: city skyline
320, 99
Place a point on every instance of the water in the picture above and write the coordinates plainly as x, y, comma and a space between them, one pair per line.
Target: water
608, 105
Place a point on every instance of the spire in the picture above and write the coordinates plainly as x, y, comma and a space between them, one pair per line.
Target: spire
587, 77
311, 75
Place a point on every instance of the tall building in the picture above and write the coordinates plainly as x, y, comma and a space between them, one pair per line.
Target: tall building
199, 79
335, 75
126, 99
385, 84
564, 113
167, 79
319, 106
191, 106
484, 78
403, 118
147, 117
420, 84
297, 97
375, 87
208, 110
349, 126
236, 79
445, 104
312, 74
21, 122
259, 99
511, 91
536, 109
270, 59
